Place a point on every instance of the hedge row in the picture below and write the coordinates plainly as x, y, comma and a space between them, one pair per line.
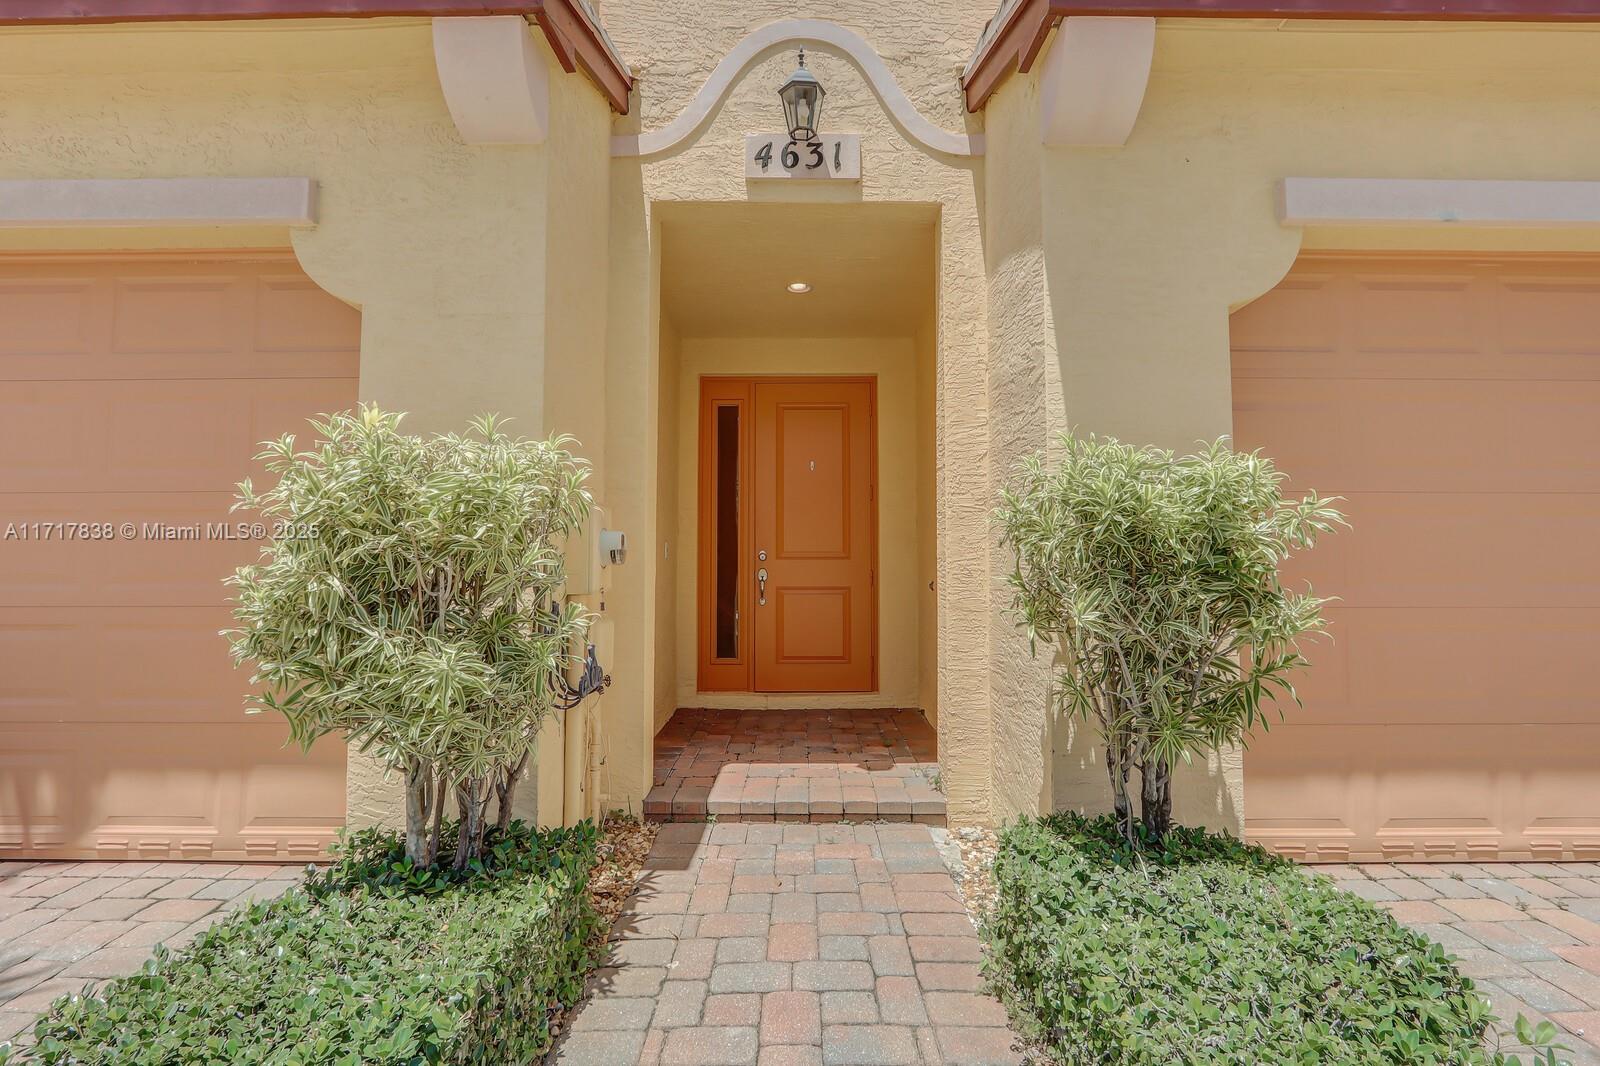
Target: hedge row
1205, 950
370, 962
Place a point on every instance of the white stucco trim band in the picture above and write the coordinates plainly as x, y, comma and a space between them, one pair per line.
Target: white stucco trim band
1423, 201
1094, 80
77, 202
774, 37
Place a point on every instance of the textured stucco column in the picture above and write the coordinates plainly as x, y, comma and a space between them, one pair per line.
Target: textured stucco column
1026, 413
963, 501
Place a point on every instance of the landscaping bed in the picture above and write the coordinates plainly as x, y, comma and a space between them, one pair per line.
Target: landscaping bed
372, 961
1205, 950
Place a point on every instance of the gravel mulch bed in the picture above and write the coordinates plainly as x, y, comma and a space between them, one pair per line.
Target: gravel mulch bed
625, 840
976, 875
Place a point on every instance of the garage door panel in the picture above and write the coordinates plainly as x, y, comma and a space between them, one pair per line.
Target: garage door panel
181, 315
169, 790
1405, 314
53, 323
139, 402
1540, 316
1454, 405
1354, 791
125, 664
1298, 327
138, 321
168, 549
44, 445
295, 317
139, 436
1524, 436
1325, 325
1451, 549
1443, 666
1315, 364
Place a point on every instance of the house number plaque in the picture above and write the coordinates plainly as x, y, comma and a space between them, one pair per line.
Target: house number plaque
829, 157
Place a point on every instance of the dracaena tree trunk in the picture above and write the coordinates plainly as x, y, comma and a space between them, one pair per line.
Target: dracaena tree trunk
421, 804
1117, 768
1155, 797
505, 788
472, 803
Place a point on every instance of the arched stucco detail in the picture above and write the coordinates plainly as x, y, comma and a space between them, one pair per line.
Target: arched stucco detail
774, 37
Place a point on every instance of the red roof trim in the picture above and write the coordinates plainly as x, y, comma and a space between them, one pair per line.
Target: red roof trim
575, 36
1025, 25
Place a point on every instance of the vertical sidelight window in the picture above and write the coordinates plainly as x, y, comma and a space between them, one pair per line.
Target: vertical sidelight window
726, 548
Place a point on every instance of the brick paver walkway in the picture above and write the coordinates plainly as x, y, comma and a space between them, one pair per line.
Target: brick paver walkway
791, 945
1528, 934
67, 924
816, 766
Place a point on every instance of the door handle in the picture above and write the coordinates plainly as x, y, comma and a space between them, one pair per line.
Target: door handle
761, 583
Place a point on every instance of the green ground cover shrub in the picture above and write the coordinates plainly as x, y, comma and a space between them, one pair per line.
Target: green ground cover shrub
372, 961
1204, 950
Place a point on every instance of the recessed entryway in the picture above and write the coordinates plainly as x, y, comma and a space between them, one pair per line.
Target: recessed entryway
797, 352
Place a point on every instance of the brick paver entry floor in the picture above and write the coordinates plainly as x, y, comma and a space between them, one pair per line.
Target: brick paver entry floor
817, 766
64, 925
792, 945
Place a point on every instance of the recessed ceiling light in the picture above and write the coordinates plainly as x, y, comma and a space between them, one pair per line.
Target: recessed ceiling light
798, 287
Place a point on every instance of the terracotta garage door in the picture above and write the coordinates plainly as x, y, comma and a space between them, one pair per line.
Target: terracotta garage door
1456, 405
133, 393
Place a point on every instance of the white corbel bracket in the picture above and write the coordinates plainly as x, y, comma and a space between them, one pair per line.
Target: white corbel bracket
1094, 80
495, 80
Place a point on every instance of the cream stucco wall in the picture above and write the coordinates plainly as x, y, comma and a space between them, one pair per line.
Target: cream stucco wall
1083, 287
672, 55
925, 348
672, 549
1184, 228
443, 246
1147, 248
892, 361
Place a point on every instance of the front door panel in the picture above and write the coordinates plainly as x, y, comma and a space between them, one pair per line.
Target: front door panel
808, 554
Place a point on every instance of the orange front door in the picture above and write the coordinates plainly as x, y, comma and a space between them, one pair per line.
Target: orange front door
801, 614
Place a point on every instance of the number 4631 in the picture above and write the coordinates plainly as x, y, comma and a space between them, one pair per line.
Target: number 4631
790, 156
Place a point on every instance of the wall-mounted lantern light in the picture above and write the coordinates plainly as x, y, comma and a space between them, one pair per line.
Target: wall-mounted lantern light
802, 102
